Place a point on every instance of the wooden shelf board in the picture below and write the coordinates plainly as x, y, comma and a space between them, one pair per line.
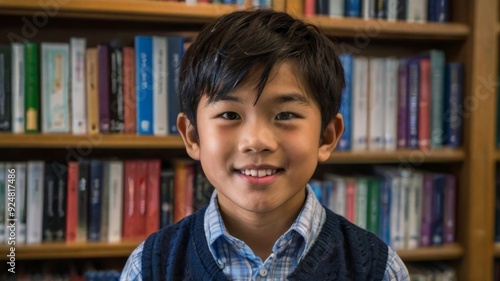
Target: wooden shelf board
445, 252
373, 29
8, 140
123, 249
122, 9
414, 157
63, 250
176, 12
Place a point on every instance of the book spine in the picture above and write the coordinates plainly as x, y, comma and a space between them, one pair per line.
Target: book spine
140, 198
153, 195
115, 201
376, 119
402, 9
166, 197
412, 102
175, 51
5, 88
360, 104
346, 106
32, 87
144, 84
103, 54
21, 193
17, 76
83, 195
129, 208
336, 8
160, 107
353, 8
92, 72
72, 202
129, 90
453, 122
34, 201
3, 203
116, 93
96, 171
373, 209
391, 103
442, 10
437, 226
78, 102
424, 105
385, 211
450, 200
437, 97
402, 103
55, 88
427, 211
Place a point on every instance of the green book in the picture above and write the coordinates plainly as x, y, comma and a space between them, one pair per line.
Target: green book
373, 210
32, 87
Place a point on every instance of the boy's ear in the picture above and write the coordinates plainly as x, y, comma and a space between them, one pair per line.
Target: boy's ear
330, 137
189, 136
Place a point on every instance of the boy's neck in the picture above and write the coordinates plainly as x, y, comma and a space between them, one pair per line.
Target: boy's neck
260, 231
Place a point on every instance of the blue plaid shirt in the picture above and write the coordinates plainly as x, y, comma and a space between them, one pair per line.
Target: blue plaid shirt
238, 262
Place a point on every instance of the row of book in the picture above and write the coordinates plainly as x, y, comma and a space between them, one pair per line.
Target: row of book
407, 10
431, 271
98, 200
254, 3
74, 88
406, 208
394, 103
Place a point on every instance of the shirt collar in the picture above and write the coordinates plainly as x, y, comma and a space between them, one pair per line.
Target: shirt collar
308, 223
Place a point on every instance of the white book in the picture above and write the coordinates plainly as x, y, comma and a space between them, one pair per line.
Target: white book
78, 92
392, 10
415, 209
367, 8
34, 201
360, 104
396, 213
337, 203
336, 8
18, 109
376, 104
3, 200
55, 87
416, 11
361, 218
159, 86
115, 201
391, 103
21, 202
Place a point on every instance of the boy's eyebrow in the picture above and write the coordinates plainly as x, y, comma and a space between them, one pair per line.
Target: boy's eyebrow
280, 99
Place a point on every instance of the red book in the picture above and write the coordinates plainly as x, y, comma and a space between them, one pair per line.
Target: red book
72, 202
140, 198
350, 200
424, 108
129, 96
129, 208
309, 8
153, 196
181, 209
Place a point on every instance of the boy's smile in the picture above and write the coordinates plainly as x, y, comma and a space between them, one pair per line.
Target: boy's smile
260, 155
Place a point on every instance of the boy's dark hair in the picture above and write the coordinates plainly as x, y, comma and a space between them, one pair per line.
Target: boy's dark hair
229, 49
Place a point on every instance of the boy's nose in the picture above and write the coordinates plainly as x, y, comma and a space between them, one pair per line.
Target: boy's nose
257, 138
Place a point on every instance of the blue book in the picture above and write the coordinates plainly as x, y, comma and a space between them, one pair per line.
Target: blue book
144, 84
438, 10
175, 51
413, 102
345, 106
316, 187
437, 222
95, 200
327, 187
453, 105
353, 8
385, 210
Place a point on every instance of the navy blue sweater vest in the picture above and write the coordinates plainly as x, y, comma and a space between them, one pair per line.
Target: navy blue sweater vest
342, 251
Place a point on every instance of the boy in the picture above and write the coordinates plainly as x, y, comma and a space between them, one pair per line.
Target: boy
260, 93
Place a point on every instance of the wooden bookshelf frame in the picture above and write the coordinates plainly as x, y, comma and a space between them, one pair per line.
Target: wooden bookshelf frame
476, 28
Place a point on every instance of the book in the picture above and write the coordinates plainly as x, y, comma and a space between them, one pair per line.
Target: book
55, 87
78, 102
17, 75
144, 84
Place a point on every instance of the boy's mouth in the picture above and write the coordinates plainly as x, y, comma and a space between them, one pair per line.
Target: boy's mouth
258, 173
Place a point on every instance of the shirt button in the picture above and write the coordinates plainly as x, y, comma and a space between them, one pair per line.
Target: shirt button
263, 272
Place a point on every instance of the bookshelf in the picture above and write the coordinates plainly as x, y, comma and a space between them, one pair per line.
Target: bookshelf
471, 37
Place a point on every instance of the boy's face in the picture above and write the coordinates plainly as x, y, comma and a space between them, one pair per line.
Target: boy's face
260, 156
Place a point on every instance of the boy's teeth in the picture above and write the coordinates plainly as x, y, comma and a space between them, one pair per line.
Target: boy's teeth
258, 173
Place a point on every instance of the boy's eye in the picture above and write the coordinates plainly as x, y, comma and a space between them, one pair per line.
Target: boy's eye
285, 116
230, 115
